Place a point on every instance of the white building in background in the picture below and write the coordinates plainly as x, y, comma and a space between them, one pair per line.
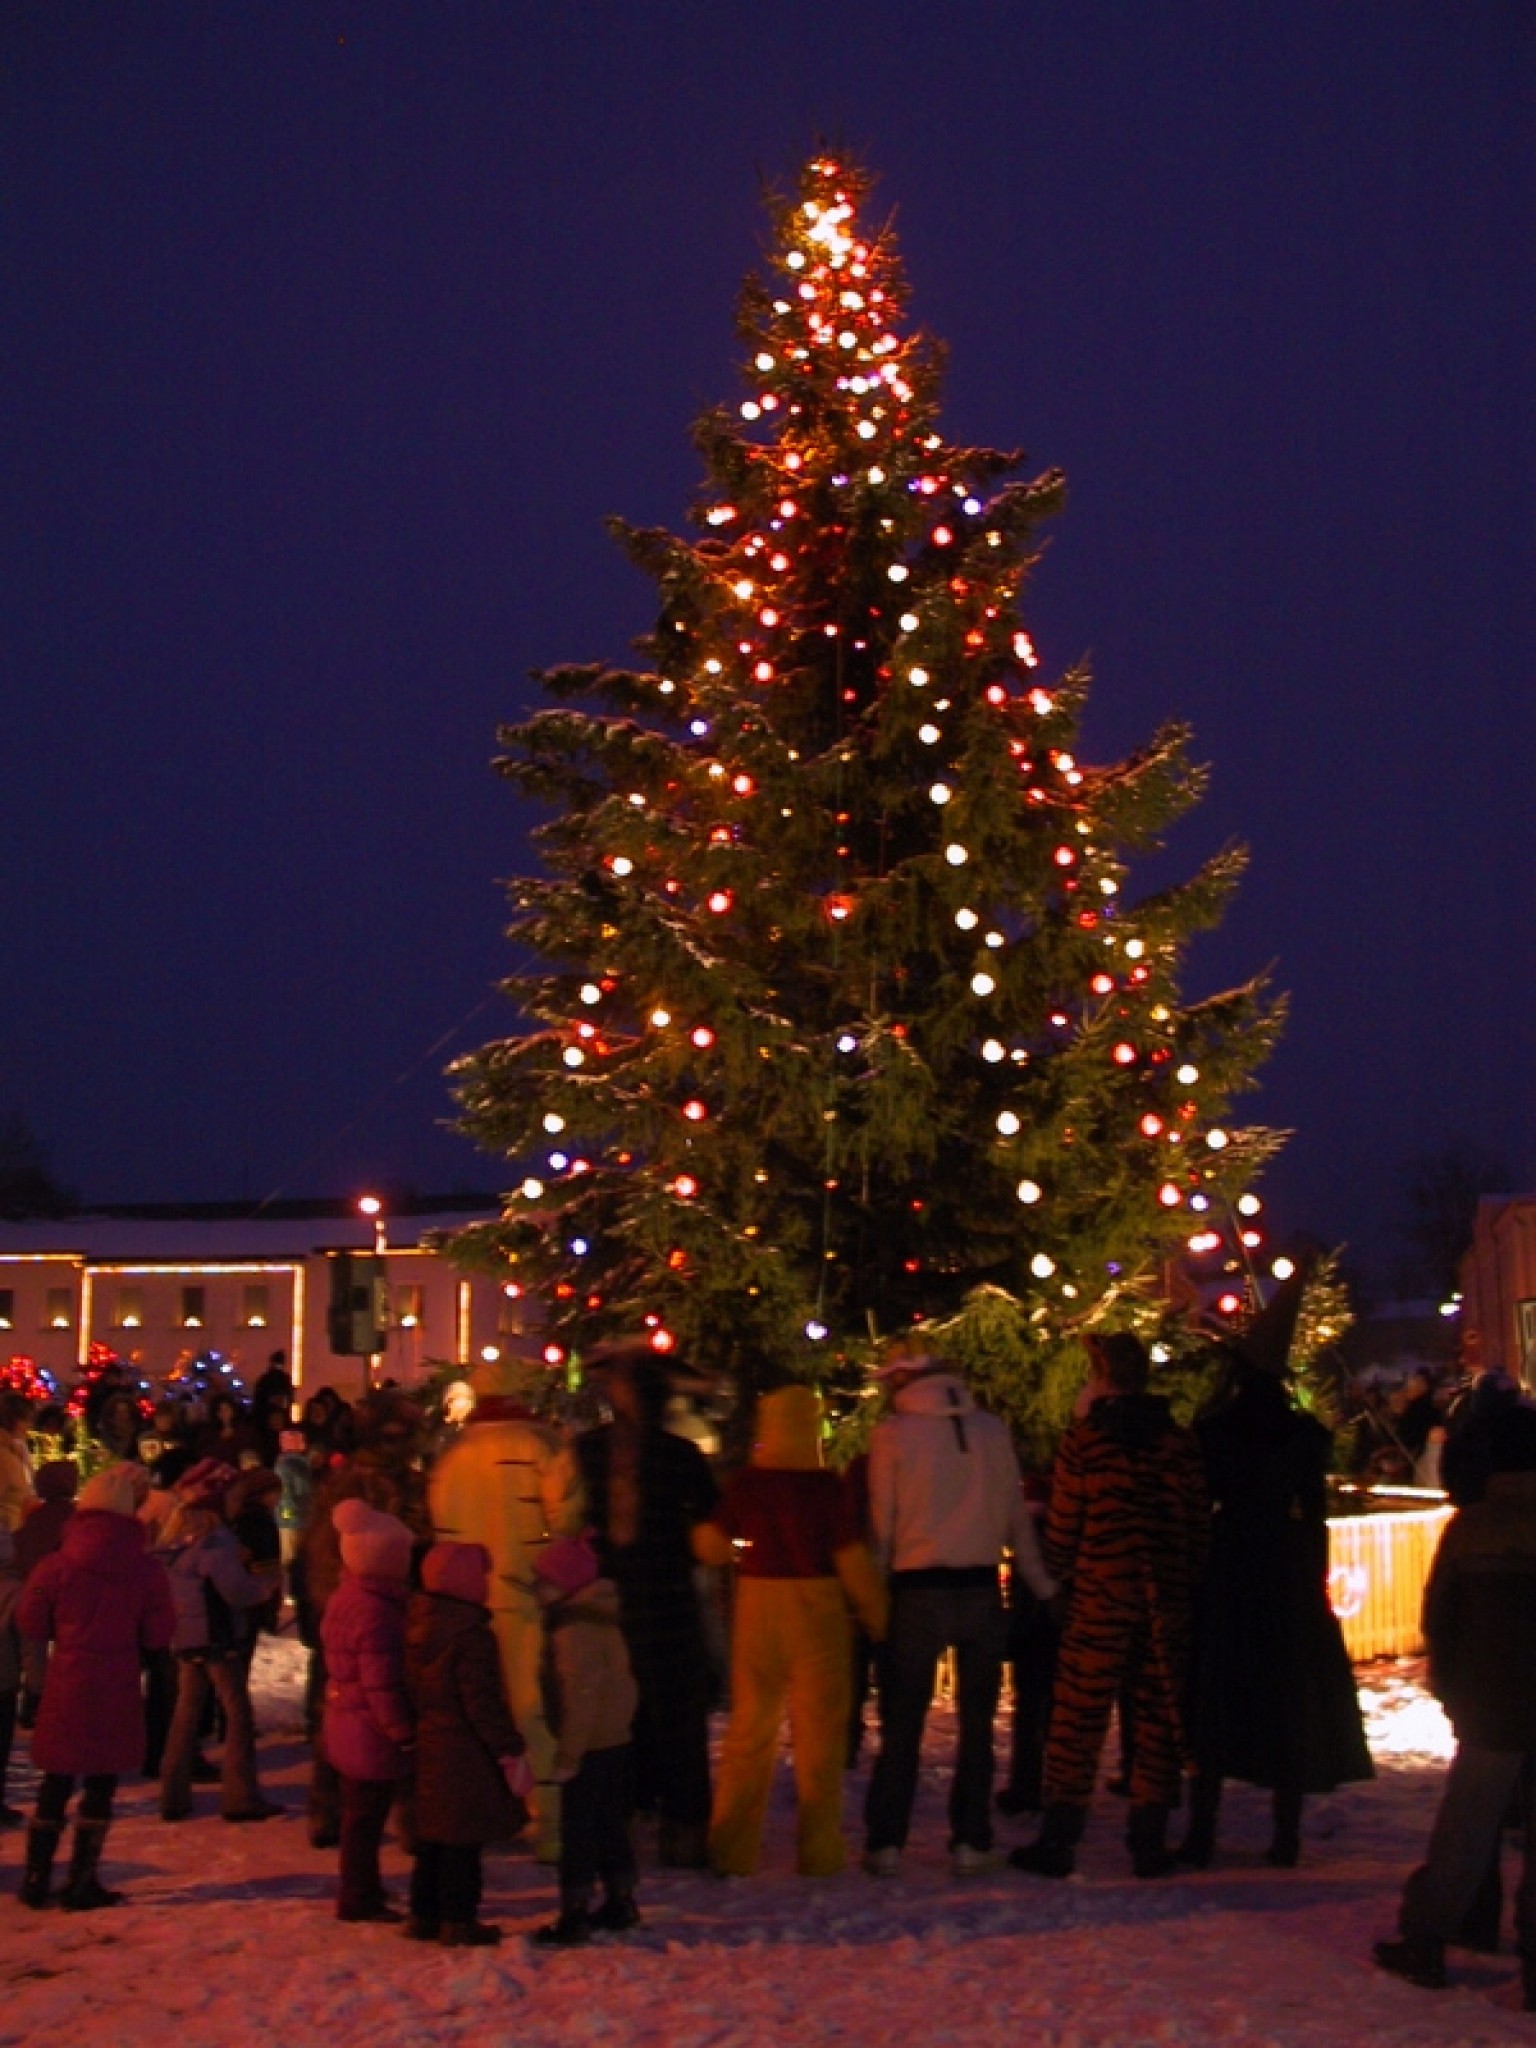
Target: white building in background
161, 1285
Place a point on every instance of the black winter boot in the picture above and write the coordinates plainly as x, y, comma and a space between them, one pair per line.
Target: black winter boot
1146, 1833
1284, 1851
617, 1914
83, 1890
42, 1845
468, 1934
1198, 1848
1418, 1957
572, 1930
1053, 1853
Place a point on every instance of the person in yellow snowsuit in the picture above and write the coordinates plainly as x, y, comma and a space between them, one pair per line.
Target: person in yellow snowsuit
792, 1531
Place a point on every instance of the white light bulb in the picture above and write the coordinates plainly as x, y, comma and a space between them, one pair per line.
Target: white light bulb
1042, 1266
1029, 1194
994, 1051
982, 985
940, 793
956, 855
967, 920
1008, 1123
553, 1123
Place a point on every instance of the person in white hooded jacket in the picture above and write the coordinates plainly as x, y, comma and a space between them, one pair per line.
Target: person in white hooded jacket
946, 1501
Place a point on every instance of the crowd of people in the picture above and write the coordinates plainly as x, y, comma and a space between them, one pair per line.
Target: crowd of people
513, 1628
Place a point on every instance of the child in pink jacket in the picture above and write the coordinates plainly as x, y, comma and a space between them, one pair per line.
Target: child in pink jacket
369, 1727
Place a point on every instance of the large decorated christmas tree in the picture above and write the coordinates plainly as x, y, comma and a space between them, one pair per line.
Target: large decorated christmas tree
840, 1014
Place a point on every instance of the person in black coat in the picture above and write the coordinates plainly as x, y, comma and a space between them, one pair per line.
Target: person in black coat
1480, 1630
646, 1490
1273, 1701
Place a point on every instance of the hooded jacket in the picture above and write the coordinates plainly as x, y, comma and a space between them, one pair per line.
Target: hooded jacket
944, 1486
589, 1689
369, 1726
101, 1600
463, 1727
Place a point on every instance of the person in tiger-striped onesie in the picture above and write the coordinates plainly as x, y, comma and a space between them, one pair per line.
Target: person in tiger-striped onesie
1127, 1535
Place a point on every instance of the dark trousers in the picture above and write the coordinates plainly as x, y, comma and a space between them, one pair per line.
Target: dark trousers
96, 1794
1464, 1841
365, 1806
196, 1678
445, 1883
926, 1620
671, 1732
1032, 1652
159, 1706
7, 1735
595, 1844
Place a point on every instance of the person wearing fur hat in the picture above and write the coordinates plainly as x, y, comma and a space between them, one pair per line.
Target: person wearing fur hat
100, 1600
472, 1776
590, 1700
369, 1727
792, 1530
215, 1598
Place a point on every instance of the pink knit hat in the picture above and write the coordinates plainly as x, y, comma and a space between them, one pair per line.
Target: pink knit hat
205, 1484
568, 1564
461, 1570
374, 1545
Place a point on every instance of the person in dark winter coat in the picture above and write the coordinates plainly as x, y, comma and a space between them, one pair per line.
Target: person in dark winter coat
1273, 1699
1480, 1628
1127, 1534
646, 1491
100, 1600
370, 1728
472, 1775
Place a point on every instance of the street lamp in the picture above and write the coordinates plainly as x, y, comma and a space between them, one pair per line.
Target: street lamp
371, 1207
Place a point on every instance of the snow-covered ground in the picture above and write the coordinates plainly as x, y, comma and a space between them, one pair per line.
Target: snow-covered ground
229, 1939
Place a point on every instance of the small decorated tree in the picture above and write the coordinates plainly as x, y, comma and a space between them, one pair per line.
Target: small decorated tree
840, 1015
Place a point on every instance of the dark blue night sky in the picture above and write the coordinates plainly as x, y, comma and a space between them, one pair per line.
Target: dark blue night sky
331, 332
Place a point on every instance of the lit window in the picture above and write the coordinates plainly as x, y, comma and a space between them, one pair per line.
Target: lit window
194, 1307
58, 1309
7, 1309
255, 1309
408, 1307
129, 1312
